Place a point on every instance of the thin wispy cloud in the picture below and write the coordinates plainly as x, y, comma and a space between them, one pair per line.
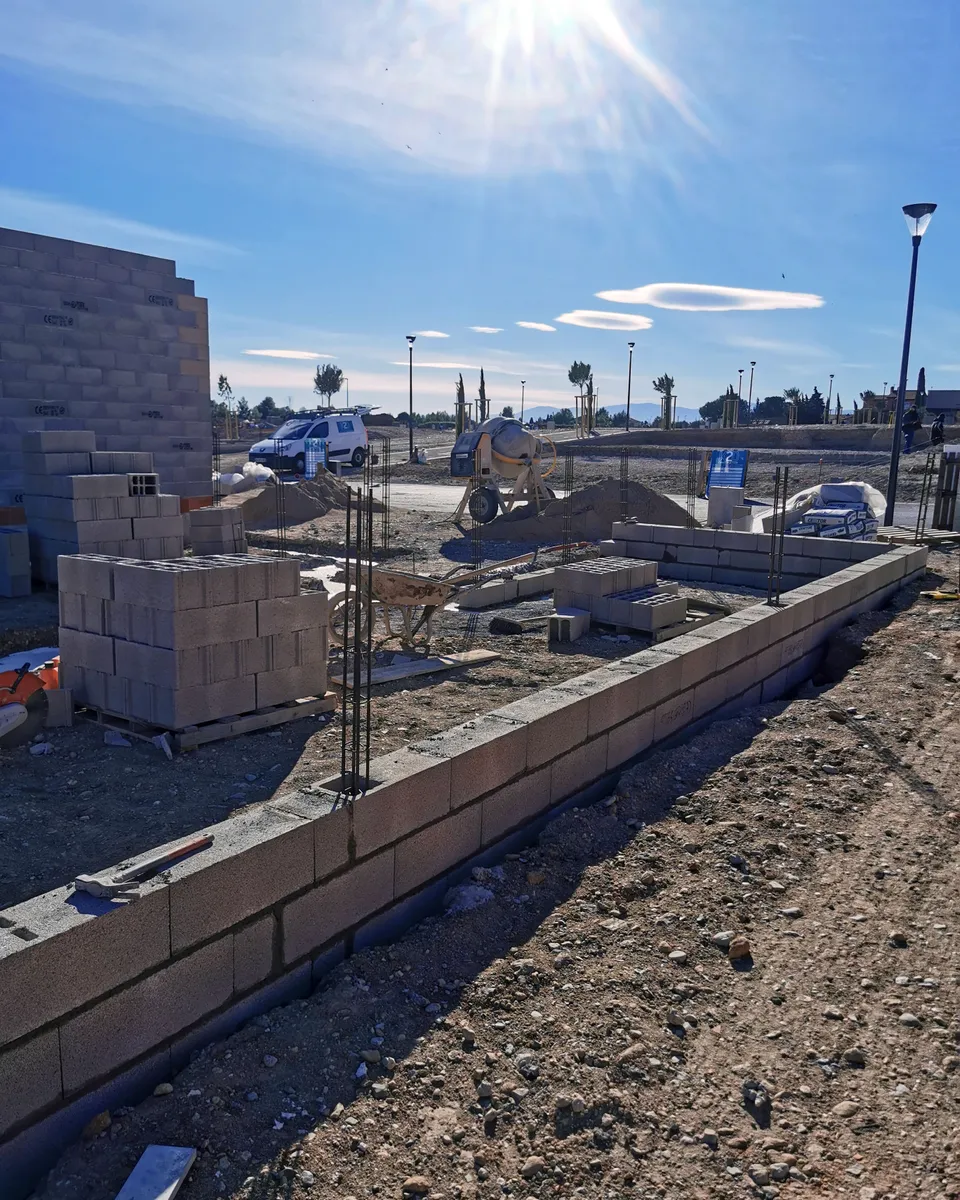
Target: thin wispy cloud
538, 325
438, 366
35, 213
588, 318
536, 85
706, 297
299, 354
780, 346
430, 333
485, 329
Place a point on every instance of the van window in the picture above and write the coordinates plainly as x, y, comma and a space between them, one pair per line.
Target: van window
321, 429
293, 430
345, 426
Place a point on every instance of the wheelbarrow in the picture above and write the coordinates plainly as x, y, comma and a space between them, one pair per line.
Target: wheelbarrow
418, 597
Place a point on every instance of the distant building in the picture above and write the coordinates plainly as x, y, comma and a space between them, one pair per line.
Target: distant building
945, 402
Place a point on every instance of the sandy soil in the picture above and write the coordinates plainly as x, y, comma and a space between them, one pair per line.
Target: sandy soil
584, 1033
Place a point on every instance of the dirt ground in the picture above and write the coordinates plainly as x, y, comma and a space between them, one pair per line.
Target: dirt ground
87, 805
582, 1031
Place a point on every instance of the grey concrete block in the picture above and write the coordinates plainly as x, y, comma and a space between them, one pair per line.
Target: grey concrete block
698, 658
285, 614
77, 487
408, 791
59, 708
178, 708
291, 683
157, 527
89, 650
255, 861
514, 804
629, 739
701, 555
578, 768
75, 462
130, 1022
330, 909
76, 952
484, 754
434, 850
253, 953
187, 628
29, 1079
114, 462
59, 441
672, 715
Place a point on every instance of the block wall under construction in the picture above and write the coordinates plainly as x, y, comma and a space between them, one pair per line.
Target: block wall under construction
108, 341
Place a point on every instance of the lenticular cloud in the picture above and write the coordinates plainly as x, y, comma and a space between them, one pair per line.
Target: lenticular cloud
707, 297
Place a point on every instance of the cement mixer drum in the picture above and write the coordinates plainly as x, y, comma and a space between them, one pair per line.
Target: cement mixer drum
500, 448
514, 448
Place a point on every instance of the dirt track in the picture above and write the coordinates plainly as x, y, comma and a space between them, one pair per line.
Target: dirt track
547, 1044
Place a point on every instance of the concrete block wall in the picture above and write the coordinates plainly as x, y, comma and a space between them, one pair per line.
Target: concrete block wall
107, 341
217, 531
104, 992
80, 499
731, 558
192, 640
14, 561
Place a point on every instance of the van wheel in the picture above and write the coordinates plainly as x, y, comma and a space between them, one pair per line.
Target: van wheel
300, 465
358, 456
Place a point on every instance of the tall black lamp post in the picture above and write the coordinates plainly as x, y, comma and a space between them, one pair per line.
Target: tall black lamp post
918, 218
629, 381
523, 392
411, 338
753, 363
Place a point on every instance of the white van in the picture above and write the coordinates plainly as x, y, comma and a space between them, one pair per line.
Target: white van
343, 430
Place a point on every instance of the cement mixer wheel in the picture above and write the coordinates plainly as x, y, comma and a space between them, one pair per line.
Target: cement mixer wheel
484, 504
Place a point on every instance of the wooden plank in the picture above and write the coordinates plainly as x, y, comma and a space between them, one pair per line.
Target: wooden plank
160, 1173
427, 666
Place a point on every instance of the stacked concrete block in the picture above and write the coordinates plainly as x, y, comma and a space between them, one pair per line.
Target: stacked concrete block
73, 508
618, 591
176, 644
721, 504
217, 531
106, 341
14, 562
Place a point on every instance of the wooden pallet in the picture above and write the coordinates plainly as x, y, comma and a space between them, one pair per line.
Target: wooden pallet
908, 537
420, 666
213, 731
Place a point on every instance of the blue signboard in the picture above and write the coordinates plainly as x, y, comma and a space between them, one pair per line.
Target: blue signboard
728, 468
315, 455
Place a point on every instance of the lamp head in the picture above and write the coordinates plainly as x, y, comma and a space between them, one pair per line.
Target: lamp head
411, 338
631, 344
918, 217
753, 364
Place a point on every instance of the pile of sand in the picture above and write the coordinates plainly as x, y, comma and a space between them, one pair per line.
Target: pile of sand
593, 508
303, 501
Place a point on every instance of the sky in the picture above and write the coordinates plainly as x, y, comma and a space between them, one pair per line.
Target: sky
519, 183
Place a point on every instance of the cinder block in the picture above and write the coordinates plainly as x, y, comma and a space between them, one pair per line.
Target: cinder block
701, 555
654, 551
672, 716
157, 527
698, 658
614, 694
579, 768
184, 629
659, 672
253, 953
568, 624
613, 547
409, 790
14, 551
89, 650
127, 1024
77, 487
286, 614
726, 539
68, 463
484, 754
514, 804
336, 906
15, 585
435, 849
291, 683
59, 708
488, 594
629, 739
75, 956
672, 535
331, 820
29, 1079
595, 578
179, 708
59, 441
256, 860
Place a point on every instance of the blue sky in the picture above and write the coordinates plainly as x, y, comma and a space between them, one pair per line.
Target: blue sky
336, 176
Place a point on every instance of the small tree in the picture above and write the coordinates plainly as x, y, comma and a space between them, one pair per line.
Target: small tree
224, 390
712, 410
482, 401
579, 374
327, 381
810, 409
267, 408
602, 419
664, 385
772, 409
563, 418
507, 410
243, 408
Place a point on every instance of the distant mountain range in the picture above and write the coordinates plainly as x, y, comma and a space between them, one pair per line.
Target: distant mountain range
638, 412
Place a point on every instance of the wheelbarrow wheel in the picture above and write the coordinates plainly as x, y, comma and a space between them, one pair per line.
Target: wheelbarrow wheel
338, 618
484, 504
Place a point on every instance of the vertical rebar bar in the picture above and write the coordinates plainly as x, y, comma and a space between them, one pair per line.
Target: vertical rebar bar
476, 532
367, 701
567, 507
385, 494
773, 539
693, 462
624, 482
217, 486
346, 645
782, 530
926, 486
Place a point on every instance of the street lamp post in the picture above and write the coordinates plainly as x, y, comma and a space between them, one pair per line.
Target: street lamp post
736, 423
523, 389
918, 218
750, 391
629, 382
411, 338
